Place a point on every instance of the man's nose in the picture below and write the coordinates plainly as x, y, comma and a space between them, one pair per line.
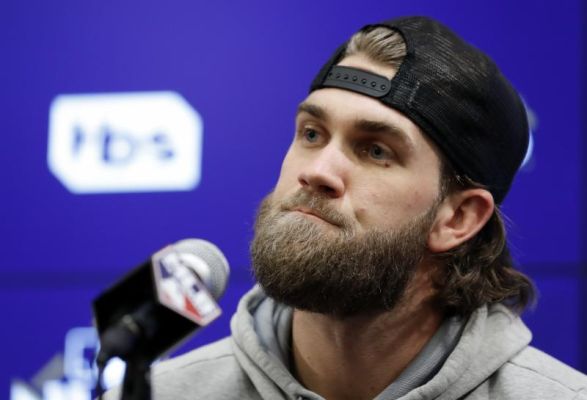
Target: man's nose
326, 172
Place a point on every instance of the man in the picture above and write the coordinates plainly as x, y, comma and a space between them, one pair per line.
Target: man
381, 254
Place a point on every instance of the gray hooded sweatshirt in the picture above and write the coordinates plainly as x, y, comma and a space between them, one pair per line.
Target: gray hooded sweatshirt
491, 359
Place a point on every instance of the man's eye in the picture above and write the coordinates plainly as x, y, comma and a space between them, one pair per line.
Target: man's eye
311, 135
378, 153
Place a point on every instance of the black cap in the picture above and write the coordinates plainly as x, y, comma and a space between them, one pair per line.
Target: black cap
455, 94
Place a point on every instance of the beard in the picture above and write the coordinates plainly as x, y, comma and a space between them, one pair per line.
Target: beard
334, 270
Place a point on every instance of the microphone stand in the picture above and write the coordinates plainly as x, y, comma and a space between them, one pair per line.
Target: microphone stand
137, 379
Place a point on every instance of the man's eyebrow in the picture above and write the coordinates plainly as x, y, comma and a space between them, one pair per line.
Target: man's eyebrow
313, 110
386, 128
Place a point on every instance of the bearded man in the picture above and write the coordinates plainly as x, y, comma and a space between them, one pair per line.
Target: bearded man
381, 254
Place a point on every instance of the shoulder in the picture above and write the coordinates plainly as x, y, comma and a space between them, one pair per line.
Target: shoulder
211, 372
216, 353
532, 374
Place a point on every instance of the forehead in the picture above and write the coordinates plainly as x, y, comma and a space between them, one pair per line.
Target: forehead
344, 111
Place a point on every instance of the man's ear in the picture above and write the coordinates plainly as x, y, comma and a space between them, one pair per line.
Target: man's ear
460, 216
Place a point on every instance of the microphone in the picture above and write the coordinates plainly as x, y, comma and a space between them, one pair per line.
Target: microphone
161, 302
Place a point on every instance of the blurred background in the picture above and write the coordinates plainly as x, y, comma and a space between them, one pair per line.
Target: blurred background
129, 125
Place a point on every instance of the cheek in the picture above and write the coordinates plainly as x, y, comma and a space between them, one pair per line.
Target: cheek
385, 208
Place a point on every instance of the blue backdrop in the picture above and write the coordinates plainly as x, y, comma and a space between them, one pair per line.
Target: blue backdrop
244, 67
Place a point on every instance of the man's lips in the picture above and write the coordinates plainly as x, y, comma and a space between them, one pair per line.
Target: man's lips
313, 213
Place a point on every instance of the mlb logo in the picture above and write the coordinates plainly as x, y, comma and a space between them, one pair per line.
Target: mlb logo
179, 287
125, 142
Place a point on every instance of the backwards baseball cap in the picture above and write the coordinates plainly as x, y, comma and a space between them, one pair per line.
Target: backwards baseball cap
454, 93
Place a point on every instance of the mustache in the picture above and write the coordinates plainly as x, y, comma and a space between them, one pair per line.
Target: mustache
319, 205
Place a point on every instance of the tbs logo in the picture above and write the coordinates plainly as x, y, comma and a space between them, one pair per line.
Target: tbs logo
125, 142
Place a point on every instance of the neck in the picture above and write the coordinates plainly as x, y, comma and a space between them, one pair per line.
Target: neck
358, 357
